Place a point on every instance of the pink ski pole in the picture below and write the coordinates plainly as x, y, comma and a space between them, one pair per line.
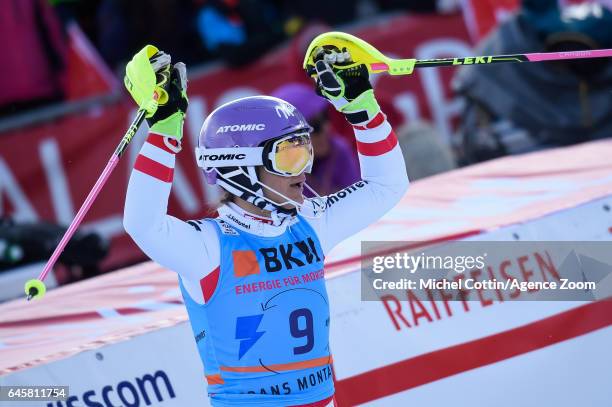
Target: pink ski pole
35, 288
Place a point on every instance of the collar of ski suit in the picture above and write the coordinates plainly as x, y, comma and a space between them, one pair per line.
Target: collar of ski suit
255, 224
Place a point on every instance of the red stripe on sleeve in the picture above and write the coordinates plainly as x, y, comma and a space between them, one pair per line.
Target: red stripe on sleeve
153, 168
209, 283
375, 122
378, 148
158, 141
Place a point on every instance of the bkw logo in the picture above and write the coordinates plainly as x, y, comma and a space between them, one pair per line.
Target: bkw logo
290, 255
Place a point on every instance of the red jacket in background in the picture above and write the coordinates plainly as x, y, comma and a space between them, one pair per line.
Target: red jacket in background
33, 52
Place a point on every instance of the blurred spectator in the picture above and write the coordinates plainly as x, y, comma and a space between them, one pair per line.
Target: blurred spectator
239, 31
424, 152
420, 6
82, 11
329, 12
335, 163
124, 27
515, 108
33, 55
25, 243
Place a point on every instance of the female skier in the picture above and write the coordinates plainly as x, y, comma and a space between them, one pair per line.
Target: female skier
252, 278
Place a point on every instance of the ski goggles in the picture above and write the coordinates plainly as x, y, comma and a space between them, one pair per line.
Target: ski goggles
287, 156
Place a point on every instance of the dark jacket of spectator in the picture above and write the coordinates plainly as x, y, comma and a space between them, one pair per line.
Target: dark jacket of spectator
515, 108
239, 31
124, 27
33, 54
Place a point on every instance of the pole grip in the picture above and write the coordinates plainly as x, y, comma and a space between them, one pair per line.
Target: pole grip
130, 133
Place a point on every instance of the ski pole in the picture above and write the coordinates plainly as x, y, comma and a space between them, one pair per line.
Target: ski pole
35, 288
362, 52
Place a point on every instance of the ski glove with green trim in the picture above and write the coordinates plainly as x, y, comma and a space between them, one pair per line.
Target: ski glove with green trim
349, 90
169, 117
145, 76
160, 89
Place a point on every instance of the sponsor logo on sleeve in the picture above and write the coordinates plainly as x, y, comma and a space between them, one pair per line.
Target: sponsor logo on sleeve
343, 193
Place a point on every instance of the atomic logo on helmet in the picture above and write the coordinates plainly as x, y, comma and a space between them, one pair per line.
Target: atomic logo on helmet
242, 127
215, 157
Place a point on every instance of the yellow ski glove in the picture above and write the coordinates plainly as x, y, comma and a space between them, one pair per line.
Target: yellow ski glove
146, 76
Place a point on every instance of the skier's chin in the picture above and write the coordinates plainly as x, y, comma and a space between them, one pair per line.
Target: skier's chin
295, 192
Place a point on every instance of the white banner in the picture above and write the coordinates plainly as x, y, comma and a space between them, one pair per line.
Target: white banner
160, 368
394, 352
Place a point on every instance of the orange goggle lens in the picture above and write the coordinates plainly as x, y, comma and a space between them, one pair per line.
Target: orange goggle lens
292, 155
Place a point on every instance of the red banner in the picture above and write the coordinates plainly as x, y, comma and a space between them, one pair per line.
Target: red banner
88, 75
481, 16
46, 171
